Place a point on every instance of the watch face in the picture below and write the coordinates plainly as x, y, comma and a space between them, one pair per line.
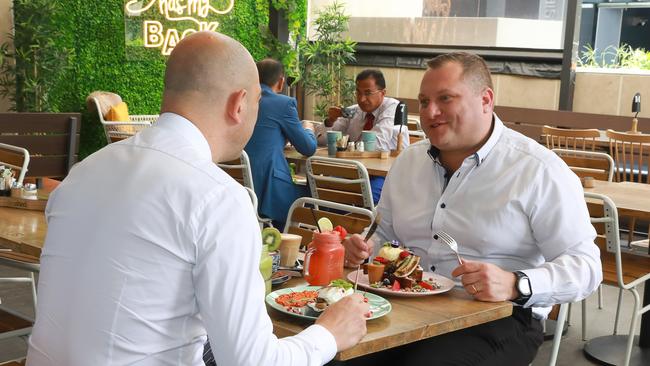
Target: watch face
523, 285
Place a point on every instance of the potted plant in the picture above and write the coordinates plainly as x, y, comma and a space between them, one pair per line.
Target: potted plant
324, 59
30, 69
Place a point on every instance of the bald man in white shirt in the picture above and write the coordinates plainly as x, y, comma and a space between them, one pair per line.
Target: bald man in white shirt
151, 247
514, 207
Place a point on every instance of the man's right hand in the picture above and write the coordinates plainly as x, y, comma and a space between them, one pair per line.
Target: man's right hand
332, 114
346, 320
308, 125
357, 250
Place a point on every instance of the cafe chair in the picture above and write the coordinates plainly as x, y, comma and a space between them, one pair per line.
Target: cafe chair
560, 317
14, 323
630, 153
572, 139
16, 158
413, 124
240, 170
604, 216
123, 125
598, 165
340, 180
305, 211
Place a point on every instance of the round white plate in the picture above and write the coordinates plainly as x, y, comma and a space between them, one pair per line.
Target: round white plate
445, 282
378, 305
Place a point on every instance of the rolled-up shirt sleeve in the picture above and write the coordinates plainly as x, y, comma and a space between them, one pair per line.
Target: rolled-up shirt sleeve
230, 291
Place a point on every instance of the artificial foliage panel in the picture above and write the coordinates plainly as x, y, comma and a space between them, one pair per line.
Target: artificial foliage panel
95, 31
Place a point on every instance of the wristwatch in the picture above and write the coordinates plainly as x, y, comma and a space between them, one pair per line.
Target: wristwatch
522, 284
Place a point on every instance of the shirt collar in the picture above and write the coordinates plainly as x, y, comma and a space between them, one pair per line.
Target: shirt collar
484, 151
184, 128
266, 88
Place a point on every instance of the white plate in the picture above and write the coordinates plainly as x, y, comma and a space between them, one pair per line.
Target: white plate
445, 282
378, 305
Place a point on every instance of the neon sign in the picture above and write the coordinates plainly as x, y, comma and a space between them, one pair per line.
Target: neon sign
184, 16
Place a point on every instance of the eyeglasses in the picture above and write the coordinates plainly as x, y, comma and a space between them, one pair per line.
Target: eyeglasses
367, 94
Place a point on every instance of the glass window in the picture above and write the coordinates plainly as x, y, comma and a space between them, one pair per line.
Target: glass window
533, 24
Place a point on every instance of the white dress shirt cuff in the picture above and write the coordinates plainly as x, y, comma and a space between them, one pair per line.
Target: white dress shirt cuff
540, 284
323, 341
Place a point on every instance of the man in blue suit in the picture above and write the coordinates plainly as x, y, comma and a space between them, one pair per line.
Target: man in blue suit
277, 122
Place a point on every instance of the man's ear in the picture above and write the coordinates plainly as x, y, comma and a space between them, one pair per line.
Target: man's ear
235, 106
487, 99
279, 86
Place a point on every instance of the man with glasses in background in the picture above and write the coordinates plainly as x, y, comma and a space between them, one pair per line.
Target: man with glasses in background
373, 112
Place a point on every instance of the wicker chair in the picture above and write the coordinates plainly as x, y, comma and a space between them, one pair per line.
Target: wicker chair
117, 130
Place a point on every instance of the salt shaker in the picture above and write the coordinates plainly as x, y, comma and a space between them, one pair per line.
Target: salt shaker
360, 147
351, 146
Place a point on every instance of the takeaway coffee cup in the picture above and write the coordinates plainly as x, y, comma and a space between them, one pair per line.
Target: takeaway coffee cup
332, 138
369, 139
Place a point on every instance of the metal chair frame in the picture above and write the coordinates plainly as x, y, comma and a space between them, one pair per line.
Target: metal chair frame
362, 179
244, 166
610, 220
338, 213
14, 164
32, 268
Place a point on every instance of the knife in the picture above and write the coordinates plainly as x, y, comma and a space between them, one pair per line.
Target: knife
371, 231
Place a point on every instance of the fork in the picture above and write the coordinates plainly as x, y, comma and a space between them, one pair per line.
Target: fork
451, 242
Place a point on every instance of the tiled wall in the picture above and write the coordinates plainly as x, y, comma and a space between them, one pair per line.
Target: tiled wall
5, 27
603, 92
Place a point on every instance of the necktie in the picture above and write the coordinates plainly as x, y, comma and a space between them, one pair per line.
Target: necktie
370, 119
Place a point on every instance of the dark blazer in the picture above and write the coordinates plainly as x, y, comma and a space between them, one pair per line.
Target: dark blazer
277, 122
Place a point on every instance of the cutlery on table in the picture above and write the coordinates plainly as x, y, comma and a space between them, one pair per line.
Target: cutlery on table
451, 242
371, 231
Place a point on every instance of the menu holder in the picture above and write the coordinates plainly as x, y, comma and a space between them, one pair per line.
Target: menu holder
363, 154
27, 204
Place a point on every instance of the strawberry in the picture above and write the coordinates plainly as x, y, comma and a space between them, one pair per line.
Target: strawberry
425, 285
396, 286
381, 260
404, 254
342, 232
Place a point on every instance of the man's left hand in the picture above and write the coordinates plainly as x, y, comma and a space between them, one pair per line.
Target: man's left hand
486, 281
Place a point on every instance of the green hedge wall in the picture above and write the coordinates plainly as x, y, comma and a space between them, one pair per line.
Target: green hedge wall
95, 31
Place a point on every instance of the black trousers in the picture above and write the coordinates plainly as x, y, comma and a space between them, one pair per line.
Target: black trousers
511, 341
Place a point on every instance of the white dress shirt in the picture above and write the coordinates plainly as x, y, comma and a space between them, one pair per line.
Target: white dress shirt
514, 203
150, 248
383, 125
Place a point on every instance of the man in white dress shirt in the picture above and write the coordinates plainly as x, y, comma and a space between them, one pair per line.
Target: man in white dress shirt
374, 111
514, 207
151, 247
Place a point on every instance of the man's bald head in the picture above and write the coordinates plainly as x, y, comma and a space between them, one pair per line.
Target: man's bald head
210, 65
212, 81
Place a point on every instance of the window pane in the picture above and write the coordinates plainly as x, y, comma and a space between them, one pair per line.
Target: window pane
535, 24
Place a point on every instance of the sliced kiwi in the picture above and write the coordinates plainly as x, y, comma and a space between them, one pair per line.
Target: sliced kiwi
271, 237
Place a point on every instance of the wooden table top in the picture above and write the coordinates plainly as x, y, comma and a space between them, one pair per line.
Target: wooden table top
631, 199
22, 230
375, 166
411, 319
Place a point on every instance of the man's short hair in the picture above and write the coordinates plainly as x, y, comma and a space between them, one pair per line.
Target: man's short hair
374, 74
270, 71
475, 70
